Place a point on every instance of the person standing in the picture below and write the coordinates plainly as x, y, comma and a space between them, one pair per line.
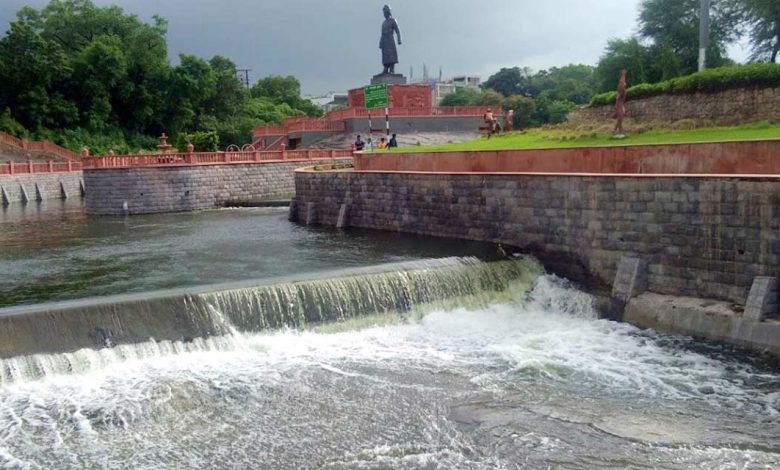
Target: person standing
359, 144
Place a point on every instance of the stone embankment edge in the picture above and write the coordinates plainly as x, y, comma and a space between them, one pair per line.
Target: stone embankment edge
15, 189
711, 245
147, 190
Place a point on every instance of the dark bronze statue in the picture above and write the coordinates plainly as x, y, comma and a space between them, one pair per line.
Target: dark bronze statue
387, 42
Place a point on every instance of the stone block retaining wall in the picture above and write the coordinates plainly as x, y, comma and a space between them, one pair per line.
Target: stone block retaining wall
726, 107
184, 188
49, 186
701, 236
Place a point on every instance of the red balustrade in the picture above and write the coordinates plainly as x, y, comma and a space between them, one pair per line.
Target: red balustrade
29, 167
209, 158
8, 139
334, 120
38, 148
266, 131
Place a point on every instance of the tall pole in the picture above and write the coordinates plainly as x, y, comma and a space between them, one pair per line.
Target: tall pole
704, 33
246, 76
370, 141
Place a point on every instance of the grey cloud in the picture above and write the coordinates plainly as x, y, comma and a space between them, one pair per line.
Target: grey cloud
334, 45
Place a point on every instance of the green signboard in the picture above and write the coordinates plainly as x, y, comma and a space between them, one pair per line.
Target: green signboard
376, 96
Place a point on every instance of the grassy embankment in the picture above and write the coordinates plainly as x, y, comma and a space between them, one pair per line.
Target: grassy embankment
562, 137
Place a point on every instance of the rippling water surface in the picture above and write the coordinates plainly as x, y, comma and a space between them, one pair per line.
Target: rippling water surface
523, 378
53, 251
531, 382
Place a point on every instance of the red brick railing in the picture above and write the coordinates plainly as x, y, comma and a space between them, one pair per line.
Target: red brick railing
37, 148
315, 125
29, 167
265, 131
334, 120
209, 158
10, 140
48, 148
352, 113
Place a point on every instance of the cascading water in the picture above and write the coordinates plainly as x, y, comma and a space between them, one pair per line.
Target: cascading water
491, 365
221, 315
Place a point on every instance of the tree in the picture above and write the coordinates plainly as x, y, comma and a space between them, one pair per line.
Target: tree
620, 54
464, 96
285, 90
30, 66
524, 108
674, 24
573, 82
193, 84
511, 81
490, 98
763, 18
100, 70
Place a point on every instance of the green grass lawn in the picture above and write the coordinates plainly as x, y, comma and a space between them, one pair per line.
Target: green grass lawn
568, 138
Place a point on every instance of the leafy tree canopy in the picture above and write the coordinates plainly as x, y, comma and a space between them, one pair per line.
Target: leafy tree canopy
73, 70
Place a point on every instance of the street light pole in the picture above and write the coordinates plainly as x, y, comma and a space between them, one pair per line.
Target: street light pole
704, 33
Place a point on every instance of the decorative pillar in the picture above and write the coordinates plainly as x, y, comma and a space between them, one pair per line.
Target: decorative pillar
163, 146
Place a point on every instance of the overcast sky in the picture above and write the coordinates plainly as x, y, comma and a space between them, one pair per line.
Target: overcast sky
334, 45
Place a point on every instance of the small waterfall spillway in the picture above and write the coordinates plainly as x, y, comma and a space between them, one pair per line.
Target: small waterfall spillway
98, 332
443, 363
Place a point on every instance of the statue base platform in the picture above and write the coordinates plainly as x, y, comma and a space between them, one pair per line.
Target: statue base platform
388, 79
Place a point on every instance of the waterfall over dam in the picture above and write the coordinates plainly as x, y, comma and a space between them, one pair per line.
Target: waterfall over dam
203, 318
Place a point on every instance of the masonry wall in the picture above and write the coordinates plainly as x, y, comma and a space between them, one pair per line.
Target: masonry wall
186, 188
727, 107
402, 125
702, 236
49, 186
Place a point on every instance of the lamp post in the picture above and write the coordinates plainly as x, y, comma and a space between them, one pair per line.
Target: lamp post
704, 33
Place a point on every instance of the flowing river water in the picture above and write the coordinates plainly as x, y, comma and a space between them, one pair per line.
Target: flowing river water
460, 362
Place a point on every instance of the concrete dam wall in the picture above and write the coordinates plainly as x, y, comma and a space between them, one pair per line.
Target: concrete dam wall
40, 186
146, 190
186, 315
700, 237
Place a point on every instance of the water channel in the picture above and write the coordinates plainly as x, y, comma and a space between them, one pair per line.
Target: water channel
442, 356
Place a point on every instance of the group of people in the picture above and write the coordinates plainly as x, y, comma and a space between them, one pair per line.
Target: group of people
491, 123
383, 143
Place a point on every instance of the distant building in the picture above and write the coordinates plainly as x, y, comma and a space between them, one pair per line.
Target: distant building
330, 101
443, 87
339, 101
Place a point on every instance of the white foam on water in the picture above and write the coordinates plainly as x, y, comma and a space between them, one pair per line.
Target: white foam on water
299, 388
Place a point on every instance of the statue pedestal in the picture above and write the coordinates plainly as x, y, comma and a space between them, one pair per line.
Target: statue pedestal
388, 79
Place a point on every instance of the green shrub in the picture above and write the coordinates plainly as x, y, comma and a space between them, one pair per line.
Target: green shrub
9, 125
207, 141
708, 81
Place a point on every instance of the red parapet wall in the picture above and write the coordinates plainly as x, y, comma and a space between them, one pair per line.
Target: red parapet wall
722, 158
43, 147
209, 158
30, 168
398, 96
334, 121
